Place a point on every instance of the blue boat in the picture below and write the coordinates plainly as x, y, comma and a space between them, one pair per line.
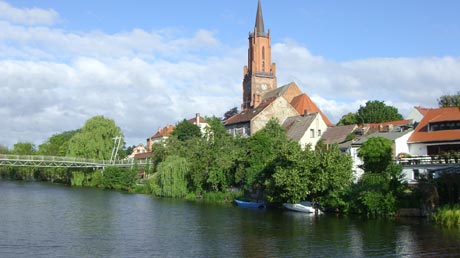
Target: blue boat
250, 205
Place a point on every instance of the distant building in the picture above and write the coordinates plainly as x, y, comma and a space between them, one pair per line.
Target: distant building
437, 132
397, 136
160, 136
416, 114
306, 129
199, 121
138, 150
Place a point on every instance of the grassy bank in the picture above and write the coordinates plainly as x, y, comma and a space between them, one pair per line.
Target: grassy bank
448, 215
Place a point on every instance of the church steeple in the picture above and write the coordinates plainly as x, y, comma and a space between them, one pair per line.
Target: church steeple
260, 73
259, 27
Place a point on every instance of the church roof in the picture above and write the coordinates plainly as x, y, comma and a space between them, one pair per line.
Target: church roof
303, 103
248, 114
259, 21
280, 91
296, 126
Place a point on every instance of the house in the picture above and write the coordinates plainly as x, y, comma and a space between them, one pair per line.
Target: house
398, 136
160, 136
137, 150
416, 114
199, 121
306, 129
251, 120
341, 135
437, 132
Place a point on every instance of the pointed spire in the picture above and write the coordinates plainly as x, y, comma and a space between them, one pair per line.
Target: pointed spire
259, 21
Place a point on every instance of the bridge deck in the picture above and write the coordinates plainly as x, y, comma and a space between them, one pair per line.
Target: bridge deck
65, 162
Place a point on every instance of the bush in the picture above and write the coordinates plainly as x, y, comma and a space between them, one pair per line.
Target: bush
448, 215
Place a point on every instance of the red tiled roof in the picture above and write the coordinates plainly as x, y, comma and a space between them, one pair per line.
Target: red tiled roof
193, 120
422, 110
303, 103
393, 123
144, 155
248, 114
163, 132
422, 134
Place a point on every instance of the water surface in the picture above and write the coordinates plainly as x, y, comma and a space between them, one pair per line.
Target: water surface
45, 220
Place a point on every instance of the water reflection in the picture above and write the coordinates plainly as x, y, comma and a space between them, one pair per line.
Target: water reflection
42, 220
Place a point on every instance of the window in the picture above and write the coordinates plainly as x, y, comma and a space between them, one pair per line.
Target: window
312, 133
319, 132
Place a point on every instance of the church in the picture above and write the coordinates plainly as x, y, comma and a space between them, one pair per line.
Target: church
263, 99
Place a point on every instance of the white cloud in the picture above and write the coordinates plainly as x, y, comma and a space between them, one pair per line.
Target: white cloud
53, 80
343, 86
27, 16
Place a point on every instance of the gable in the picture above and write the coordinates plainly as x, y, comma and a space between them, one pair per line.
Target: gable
303, 103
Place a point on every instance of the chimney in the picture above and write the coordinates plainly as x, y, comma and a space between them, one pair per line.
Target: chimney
197, 119
305, 112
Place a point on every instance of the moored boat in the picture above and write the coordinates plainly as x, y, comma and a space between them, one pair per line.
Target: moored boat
249, 204
300, 207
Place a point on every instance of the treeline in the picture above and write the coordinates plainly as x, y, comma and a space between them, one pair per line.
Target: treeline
269, 166
93, 141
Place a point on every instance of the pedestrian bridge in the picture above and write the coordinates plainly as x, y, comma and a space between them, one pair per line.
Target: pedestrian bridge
62, 162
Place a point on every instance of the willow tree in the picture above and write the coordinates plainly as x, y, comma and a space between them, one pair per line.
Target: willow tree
171, 177
95, 140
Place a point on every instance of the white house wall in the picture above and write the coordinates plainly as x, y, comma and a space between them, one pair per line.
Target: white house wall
401, 143
319, 127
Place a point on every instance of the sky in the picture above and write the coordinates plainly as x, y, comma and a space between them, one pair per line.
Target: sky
146, 64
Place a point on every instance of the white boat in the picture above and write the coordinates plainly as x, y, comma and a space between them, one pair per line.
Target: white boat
300, 207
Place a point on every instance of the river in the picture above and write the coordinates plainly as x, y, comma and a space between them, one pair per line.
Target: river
46, 220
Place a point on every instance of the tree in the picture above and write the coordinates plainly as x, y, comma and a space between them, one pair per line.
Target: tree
348, 119
449, 100
3, 149
95, 140
376, 154
377, 112
23, 148
57, 145
186, 130
171, 177
230, 113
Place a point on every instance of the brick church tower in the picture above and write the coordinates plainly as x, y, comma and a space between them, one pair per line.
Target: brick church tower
260, 73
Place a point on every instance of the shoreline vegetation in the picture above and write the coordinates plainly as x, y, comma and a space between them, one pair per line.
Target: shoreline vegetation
216, 167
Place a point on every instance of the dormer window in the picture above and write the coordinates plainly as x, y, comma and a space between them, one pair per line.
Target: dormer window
445, 125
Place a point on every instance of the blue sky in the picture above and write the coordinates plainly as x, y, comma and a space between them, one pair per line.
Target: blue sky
147, 64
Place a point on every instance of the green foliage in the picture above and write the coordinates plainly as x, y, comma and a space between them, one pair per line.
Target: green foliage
376, 154
118, 178
4, 149
23, 148
376, 112
78, 179
233, 111
57, 145
373, 112
186, 130
348, 119
95, 140
449, 100
171, 178
448, 215
222, 197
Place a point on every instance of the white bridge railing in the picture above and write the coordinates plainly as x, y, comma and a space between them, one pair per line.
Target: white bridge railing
68, 162
428, 160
